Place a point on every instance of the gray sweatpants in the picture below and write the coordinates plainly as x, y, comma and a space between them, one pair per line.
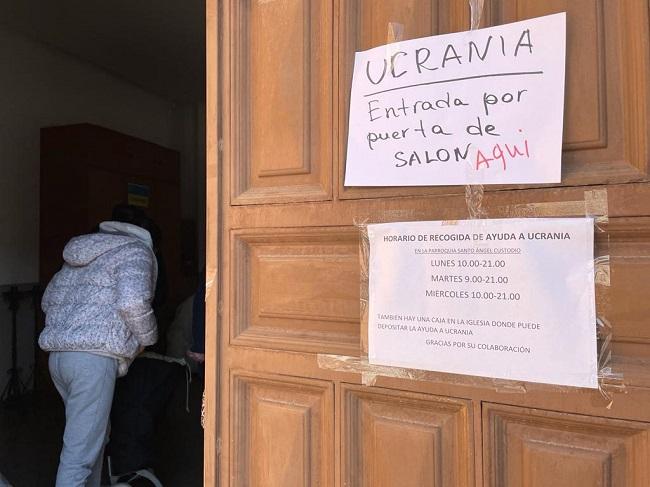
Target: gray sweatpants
86, 382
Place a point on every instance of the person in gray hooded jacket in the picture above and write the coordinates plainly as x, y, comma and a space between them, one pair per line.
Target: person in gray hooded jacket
98, 318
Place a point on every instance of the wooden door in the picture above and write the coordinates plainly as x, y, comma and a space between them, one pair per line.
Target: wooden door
286, 399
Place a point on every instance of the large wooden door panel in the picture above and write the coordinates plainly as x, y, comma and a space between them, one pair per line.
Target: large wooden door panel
282, 431
282, 101
534, 448
403, 439
624, 303
606, 119
296, 289
373, 19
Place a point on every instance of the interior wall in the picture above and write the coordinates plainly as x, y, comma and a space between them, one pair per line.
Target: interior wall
184, 128
44, 87
189, 140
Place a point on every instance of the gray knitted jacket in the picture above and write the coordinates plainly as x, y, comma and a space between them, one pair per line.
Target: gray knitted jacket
100, 301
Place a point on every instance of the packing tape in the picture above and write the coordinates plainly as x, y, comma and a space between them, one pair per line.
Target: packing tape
595, 205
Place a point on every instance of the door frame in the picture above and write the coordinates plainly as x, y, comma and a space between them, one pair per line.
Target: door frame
211, 442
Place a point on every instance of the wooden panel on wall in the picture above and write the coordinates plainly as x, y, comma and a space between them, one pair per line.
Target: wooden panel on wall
282, 432
606, 118
624, 302
415, 18
412, 440
586, 116
296, 289
281, 79
542, 449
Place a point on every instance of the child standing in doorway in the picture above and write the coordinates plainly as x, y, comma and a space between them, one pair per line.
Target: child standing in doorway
98, 318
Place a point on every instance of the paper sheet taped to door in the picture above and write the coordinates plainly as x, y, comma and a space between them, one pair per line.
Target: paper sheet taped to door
509, 299
478, 107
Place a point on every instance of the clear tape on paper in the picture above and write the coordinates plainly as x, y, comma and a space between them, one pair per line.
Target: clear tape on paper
209, 282
394, 35
610, 381
474, 192
364, 276
370, 373
594, 204
474, 201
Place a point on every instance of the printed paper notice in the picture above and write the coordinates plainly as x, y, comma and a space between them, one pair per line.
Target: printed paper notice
477, 107
509, 299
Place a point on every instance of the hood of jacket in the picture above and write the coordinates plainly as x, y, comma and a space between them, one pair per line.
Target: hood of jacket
82, 250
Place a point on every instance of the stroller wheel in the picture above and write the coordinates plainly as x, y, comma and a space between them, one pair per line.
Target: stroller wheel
139, 478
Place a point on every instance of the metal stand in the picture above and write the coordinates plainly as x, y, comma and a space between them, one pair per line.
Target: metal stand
15, 387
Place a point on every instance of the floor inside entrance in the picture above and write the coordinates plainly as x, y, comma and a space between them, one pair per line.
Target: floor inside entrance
31, 432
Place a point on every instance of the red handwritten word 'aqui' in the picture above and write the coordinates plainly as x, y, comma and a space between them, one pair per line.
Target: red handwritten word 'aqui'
504, 153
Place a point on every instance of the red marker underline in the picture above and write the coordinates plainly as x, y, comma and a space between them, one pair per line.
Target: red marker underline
451, 80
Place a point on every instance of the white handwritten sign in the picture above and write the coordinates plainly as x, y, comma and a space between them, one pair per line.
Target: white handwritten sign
477, 107
510, 299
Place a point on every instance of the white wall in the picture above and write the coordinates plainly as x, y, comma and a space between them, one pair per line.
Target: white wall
42, 87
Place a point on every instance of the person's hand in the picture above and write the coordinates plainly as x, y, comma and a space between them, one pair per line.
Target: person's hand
197, 357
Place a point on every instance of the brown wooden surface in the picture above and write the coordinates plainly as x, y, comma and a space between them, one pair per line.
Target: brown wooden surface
289, 287
270, 413
412, 440
544, 449
213, 346
282, 92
